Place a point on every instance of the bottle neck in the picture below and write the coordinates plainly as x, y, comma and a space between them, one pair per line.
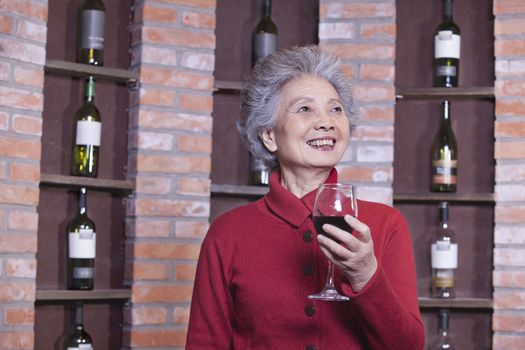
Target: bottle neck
447, 10
267, 8
82, 201
90, 90
443, 215
79, 315
443, 322
445, 117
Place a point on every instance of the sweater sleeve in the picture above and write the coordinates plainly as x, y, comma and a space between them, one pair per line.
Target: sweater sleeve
211, 307
388, 305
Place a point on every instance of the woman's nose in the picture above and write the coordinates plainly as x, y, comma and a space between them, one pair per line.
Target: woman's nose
324, 121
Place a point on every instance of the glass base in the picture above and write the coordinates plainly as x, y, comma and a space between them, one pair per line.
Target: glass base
329, 294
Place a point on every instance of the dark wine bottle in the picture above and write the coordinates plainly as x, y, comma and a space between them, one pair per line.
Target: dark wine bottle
78, 338
92, 20
82, 240
264, 43
443, 341
444, 155
88, 132
447, 43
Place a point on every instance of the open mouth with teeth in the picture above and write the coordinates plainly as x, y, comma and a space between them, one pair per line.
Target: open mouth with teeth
325, 144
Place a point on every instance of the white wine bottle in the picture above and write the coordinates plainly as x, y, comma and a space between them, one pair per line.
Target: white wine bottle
447, 44
444, 258
88, 134
445, 155
443, 341
264, 43
82, 243
92, 28
78, 338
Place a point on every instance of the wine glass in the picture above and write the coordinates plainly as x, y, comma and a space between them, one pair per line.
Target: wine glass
332, 202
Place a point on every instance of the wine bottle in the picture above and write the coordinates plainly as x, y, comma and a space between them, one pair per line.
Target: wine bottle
264, 43
443, 341
88, 132
447, 43
444, 155
82, 240
78, 338
444, 257
92, 27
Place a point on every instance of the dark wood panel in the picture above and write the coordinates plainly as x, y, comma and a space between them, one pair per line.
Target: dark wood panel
95, 295
445, 93
487, 198
84, 70
455, 303
117, 186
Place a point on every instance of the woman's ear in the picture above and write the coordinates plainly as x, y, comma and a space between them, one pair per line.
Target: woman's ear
268, 138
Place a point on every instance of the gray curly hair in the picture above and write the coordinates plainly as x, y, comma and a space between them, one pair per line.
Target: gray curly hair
261, 91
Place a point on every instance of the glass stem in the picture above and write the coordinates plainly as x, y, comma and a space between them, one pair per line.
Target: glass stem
330, 278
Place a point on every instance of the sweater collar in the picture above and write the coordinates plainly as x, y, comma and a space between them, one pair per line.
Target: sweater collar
288, 207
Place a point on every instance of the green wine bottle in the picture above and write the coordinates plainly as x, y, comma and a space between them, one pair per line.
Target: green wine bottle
88, 132
264, 43
444, 155
78, 338
92, 27
447, 43
82, 242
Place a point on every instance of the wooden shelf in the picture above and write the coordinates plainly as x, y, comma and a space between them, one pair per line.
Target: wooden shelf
227, 86
238, 191
95, 295
456, 303
445, 93
448, 197
116, 186
125, 76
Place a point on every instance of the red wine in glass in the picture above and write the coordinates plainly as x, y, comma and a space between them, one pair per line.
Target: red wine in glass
337, 221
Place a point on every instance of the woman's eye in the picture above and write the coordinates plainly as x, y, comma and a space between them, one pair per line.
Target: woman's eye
337, 109
304, 109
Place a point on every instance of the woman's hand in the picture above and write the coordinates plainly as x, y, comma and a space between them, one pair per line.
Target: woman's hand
355, 255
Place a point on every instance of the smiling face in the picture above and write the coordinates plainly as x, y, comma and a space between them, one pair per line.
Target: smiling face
311, 128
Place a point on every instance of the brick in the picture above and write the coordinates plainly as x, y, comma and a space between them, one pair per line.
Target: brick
178, 37
168, 293
509, 234
149, 271
152, 13
198, 20
27, 125
510, 192
149, 338
22, 220
17, 291
167, 207
18, 194
185, 272
509, 256
373, 133
22, 51
365, 174
348, 70
510, 88
4, 121
191, 229
16, 339
508, 7
155, 55
510, 128
6, 24
509, 26
24, 172
377, 72
173, 164
25, 268
508, 342
196, 103
375, 194
374, 92
198, 60
195, 187
362, 51
25, 149
510, 108
148, 315
374, 153
170, 120
3, 169
356, 10
194, 143
509, 150
509, 48
26, 8
336, 30
21, 99
18, 243
509, 279
378, 30
509, 300
153, 185
166, 250
508, 322
157, 97
376, 113
155, 141
509, 214
19, 316
29, 75
510, 68
205, 4
178, 79
32, 31
152, 228
182, 314
510, 172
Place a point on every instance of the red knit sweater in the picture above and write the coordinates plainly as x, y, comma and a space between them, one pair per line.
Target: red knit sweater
259, 262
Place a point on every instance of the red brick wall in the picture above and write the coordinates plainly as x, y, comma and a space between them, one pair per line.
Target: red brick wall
170, 160
363, 34
509, 236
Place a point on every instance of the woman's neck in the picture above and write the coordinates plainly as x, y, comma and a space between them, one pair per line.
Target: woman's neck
299, 184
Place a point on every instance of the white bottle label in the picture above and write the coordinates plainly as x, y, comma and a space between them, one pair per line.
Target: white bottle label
81, 347
88, 132
444, 255
93, 26
82, 244
446, 44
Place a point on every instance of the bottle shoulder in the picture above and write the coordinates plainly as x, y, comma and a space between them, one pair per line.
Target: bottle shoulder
448, 25
266, 26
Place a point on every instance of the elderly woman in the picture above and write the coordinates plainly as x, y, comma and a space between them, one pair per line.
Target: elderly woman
259, 262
